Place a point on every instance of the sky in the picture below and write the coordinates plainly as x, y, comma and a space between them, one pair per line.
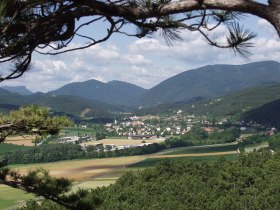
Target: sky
144, 62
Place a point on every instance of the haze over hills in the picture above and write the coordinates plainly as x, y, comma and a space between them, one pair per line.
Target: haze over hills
185, 88
22, 90
114, 92
202, 83
210, 81
70, 105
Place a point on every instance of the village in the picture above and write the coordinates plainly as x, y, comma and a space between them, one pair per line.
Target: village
139, 131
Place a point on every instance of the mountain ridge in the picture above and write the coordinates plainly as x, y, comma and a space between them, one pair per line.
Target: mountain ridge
113, 92
210, 81
70, 105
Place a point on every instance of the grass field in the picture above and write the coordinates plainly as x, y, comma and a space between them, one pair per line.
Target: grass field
205, 149
21, 140
10, 196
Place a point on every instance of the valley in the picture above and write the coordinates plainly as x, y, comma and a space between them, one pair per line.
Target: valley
182, 120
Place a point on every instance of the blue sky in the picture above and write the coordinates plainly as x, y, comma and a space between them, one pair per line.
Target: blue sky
144, 62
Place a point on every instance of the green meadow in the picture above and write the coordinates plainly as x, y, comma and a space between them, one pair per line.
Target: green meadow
12, 197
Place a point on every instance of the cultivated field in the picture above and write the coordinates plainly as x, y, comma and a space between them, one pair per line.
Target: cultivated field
25, 140
79, 170
119, 142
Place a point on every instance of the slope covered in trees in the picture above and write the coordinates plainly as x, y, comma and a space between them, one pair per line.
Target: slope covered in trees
267, 114
234, 104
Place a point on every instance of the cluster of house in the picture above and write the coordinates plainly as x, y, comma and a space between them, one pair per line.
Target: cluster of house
74, 139
136, 127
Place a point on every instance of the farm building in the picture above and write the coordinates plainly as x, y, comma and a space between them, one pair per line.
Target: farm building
69, 139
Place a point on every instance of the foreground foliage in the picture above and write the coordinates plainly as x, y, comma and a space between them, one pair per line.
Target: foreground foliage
31, 120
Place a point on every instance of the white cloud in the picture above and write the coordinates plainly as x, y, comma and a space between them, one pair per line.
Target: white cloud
136, 59
146, 44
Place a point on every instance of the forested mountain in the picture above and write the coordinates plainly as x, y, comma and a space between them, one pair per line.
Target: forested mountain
114, 92
236, 104
267, 114
70, 105
210, 81
22, 90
